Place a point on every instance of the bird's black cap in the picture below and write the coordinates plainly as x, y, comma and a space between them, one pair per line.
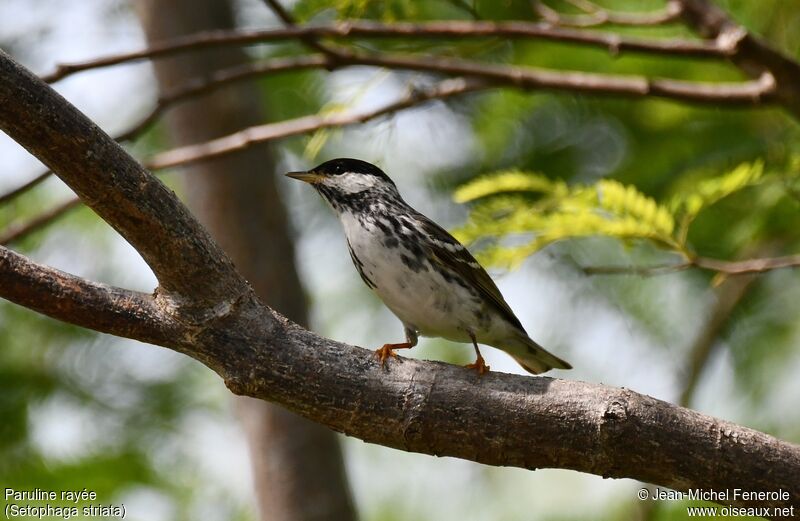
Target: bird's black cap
343, 165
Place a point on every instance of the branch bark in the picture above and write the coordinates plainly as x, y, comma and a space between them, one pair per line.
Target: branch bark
426, 407
82, 302
144, 211
749, 52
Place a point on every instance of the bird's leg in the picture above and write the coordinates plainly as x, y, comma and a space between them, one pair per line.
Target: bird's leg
479, 364
388, 349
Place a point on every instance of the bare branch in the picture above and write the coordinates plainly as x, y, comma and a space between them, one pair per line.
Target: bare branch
426, 407
367, 29
597, 15
310, 41
753, 92
749, 52
16, 192
259, 134
468, 8
642, 271
17, 230
728, 296
223, 77
483, 76
196, 87
181, 254
78, 301
731, 268
748, 266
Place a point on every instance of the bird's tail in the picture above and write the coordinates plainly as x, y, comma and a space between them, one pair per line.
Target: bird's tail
534, 358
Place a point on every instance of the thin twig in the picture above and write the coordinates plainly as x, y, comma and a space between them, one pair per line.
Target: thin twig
730, 268
190, 89
728, 296
480, 76
259, 134
220, 78
16, 192
17, 230
310, 41
467, 7
736, 93
368, 29
484, 75
642, 271
748, 266
596, 15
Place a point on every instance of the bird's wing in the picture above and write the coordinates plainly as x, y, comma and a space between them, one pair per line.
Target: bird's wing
451, 254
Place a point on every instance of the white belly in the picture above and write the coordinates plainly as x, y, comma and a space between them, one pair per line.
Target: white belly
412, 289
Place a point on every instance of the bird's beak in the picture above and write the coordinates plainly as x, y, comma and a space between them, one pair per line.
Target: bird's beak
308, 177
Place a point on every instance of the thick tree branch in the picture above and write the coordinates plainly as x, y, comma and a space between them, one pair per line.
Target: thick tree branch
84, 303
427, 407
241, 140
368, 29
182, 255
190, 89
297, 467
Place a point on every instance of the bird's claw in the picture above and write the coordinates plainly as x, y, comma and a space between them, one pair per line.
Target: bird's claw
385, 352
388, 351
479, 365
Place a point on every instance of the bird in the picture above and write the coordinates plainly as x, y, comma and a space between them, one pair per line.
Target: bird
424, 275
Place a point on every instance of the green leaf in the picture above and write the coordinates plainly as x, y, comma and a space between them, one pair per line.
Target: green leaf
606, 208
508, 181
706, 193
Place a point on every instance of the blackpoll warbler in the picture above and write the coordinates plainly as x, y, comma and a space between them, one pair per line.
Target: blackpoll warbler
421, 272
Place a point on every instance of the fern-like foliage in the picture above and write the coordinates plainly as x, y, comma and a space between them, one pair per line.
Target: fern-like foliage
686, 205
521, 212
508, 181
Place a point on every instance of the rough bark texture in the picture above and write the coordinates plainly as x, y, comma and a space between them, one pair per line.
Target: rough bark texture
427, 407
297, 464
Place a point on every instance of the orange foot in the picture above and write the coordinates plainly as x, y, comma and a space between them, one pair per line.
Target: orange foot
479, 365
388, 351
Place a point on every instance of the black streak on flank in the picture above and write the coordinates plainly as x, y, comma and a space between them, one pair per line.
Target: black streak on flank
414, 264
396, 226
383, 227
360, 267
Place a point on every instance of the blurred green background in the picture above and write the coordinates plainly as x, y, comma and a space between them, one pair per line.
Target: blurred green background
149, 428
